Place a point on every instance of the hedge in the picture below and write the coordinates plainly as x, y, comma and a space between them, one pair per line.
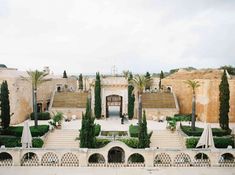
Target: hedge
131, 142
97, 129
180, 117
35, 131
99, 143
11, 142
41, 116
134, 130
220, 142
198, 131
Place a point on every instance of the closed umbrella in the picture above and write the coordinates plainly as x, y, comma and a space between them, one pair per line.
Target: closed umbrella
26, 138
206, 139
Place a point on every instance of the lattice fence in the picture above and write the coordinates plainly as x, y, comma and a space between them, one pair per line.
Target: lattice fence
227, 160
69, 159
182, 160
162, 159
5, 159
30, 159
50, 159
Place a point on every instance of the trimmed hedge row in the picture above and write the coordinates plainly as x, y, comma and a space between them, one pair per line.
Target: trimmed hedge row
101, 142
220, 142
131, 142
35, 131
11, 142
134, 130
41, 116
180, 117
198, 131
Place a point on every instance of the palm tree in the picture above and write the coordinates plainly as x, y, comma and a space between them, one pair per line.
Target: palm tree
193, 85
140, 82
35, 78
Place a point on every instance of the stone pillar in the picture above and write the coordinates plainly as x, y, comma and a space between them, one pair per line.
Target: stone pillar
214, 158
16, 156
83, 157
149, 157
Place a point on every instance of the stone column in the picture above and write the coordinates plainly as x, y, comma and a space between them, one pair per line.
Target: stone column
149, 157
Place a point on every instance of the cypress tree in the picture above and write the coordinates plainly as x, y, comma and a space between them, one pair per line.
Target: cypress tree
87, 132
65, 74
161, 77
5, 105
144, 137
80, 81
97, 96
224, 96
131, 97
147, 76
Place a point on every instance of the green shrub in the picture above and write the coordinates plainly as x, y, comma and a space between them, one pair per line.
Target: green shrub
37, 143
11, 142
134, 130
97, 129
198, 131
179, 117
41, 116
35, 131
99, 143
131, 142
220, 142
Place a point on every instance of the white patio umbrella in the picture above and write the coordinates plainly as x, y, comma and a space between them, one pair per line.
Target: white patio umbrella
26, 138
206, 138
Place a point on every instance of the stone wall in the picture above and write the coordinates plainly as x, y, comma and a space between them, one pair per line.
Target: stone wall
207, 98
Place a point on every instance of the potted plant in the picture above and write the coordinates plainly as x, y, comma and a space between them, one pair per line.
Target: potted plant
56, 120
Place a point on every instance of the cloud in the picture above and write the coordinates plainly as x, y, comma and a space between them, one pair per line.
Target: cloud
139, 35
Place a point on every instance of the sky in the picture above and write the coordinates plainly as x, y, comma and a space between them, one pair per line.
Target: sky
86, 36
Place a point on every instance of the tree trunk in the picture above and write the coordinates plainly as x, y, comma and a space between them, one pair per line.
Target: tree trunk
140, 109
193, 113
35, 107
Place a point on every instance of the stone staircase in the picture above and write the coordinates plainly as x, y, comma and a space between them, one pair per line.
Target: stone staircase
62, 138
166, 139
70, 100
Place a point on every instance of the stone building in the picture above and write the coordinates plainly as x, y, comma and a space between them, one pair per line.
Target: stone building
207, 95
62, 94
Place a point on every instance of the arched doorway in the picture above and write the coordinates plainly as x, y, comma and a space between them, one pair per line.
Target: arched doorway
114, 102
116, 155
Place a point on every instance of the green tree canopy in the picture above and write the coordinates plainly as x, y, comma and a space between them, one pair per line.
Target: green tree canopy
224, 97
5, 105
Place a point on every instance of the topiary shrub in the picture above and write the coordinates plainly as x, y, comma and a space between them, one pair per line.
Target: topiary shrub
37, 143
41, 116
134, 130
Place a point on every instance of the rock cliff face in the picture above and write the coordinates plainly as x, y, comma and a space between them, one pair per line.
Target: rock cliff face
207, 95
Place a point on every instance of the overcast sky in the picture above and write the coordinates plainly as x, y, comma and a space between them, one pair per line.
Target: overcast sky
138, 35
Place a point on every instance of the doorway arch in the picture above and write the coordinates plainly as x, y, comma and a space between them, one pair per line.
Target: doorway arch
116, 155
114, 100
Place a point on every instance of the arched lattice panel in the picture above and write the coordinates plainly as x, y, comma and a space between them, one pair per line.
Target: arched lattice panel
136, 158
162, 159
201, 160
30, 159
227, 160
182, 159
69, 159
96, 158
50, 159
5, 159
